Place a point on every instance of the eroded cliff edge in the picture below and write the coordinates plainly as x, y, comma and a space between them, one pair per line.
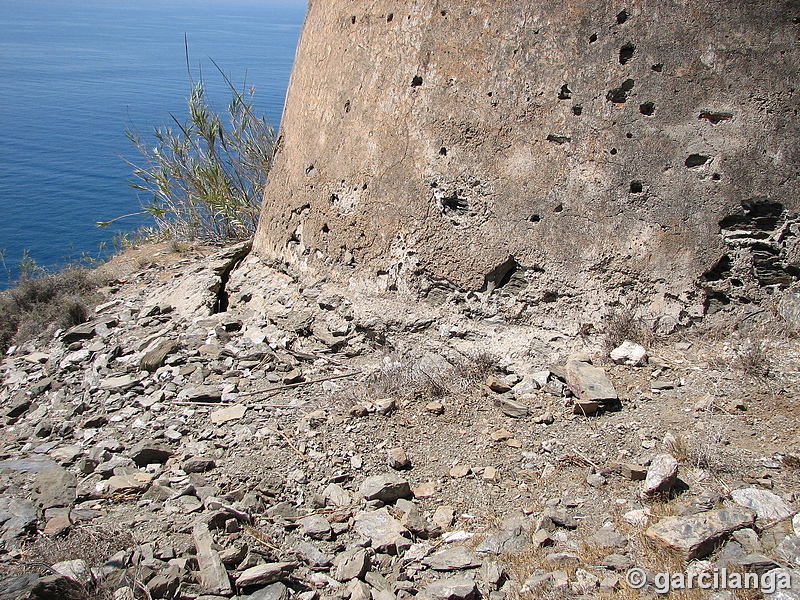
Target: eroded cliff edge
587, 153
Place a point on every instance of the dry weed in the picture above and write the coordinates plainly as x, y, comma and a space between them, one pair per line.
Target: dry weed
753, 359
678, 446
705, 451
625, 325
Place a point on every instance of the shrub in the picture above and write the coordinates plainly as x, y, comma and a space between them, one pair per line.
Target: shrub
206, 178
46, 301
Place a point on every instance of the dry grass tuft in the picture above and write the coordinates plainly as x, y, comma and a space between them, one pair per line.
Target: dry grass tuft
92, 544
705, 452
95, 545
678, 446
625, 325
753, 359
405, 379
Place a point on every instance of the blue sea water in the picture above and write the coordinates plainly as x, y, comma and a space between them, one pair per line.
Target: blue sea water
76, 74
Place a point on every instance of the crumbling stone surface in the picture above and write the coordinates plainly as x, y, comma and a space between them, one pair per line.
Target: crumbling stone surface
550, 145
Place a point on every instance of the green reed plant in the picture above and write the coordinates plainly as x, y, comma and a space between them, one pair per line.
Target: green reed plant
205, 175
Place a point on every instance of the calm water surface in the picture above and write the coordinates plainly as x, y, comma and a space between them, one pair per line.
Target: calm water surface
75, 74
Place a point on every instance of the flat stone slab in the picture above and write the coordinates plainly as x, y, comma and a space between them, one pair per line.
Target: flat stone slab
201, 393
313, 555
512, 408
264, 574
55, 487
150, 452
789, 550
453, 559
768, 506
229, 413
135, 482
696, 536
352, 564
630, 471
31, 464
512, 537
590, 383
337, 495
119, 383
456, 588
316, 527
16, 515
213, 576
83, 331
155, 358
387, 488
274, 591
378, 525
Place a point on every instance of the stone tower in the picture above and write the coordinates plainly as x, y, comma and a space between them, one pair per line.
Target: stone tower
585, 152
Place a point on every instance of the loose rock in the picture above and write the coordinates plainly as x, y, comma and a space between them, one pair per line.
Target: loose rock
387, 488
661, 475
695, 536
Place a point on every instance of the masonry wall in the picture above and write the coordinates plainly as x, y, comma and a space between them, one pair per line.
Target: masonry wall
594, 151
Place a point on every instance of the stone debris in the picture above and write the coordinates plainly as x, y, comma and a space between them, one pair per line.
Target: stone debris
133, 482
454, 588
55, 487
789, 550
180, 426
263, 574
155, 358
213, 575
459, 471
436, 408
316, 527
352, 564
512, 408
150, 452
497, 385
633, 472
398, 460
380, 527
229, 413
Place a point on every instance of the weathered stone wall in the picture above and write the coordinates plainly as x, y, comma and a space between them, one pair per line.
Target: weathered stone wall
610, 148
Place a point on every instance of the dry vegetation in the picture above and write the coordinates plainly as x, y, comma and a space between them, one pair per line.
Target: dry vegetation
46, 302
625, 325
94, 544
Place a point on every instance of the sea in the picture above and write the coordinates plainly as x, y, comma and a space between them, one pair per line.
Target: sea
75, 75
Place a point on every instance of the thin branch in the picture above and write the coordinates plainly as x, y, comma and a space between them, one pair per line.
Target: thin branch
301, 383
288, 441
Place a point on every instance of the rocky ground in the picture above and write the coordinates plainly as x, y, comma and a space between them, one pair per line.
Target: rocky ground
222, 428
